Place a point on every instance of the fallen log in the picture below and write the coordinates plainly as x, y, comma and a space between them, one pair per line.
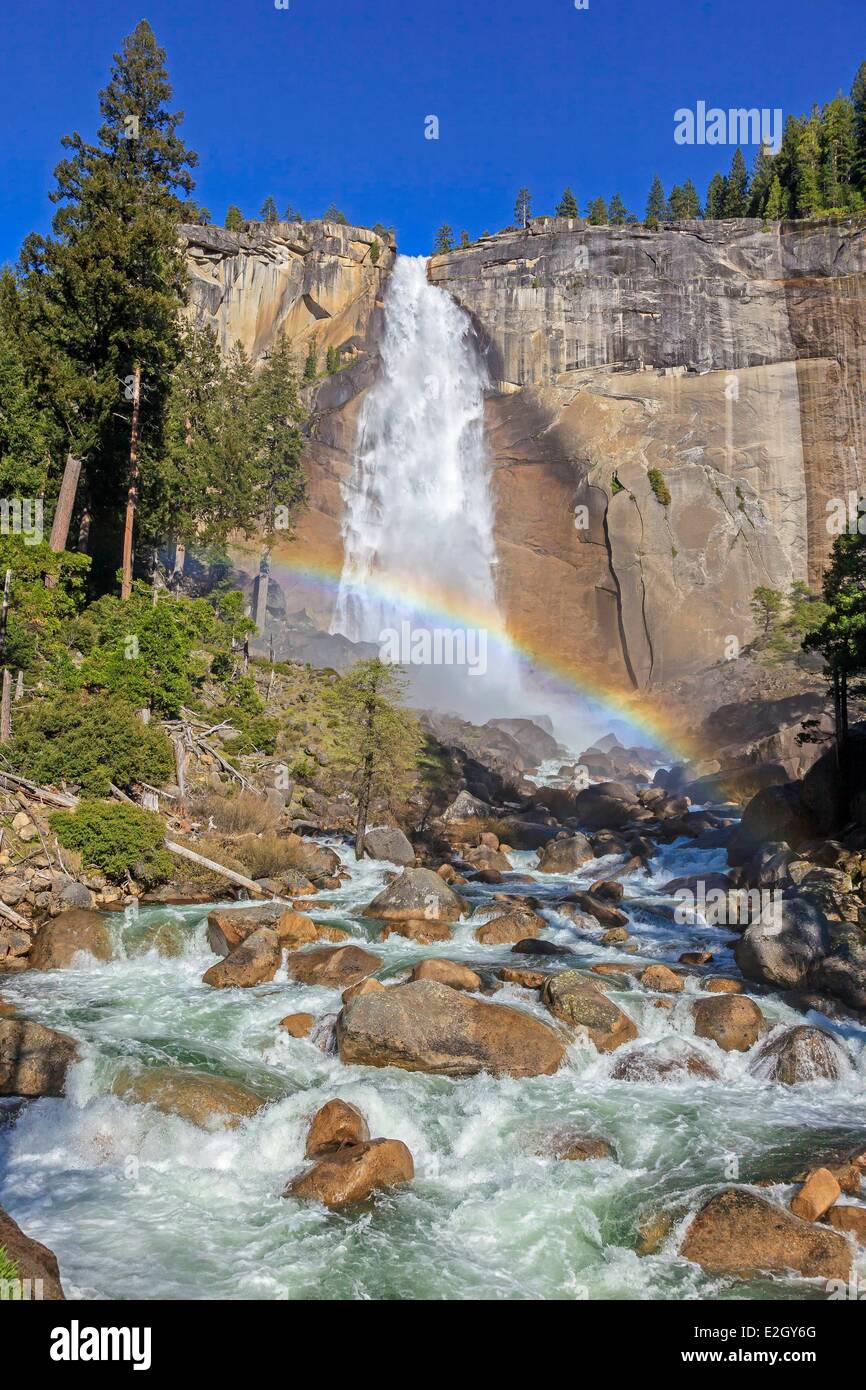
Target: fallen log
13, 916
64, 799
220, 869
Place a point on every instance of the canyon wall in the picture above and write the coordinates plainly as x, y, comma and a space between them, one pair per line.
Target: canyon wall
671, 412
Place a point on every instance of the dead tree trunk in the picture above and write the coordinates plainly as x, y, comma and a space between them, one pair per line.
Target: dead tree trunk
6, 707
132, 489
65, 506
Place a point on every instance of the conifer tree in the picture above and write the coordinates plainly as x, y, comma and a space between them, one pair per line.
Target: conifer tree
444, 240
759, 185
837, 153
567, 205
715, 205
858, 102
523, 208
657, 204
774, 208
736, 200
807, 168
617, 211
596, 213
269, 212
234, 219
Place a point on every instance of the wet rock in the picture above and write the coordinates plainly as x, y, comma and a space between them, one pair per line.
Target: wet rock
785, 948
417, 894
337, 967
563, 856
578, 1148
351, 1176
577, 917
731, 1021
254, 962
167, 939
310, 858
207, 1101
614, 936
651, 1065
845, 1218
336, 1126
606, 806
608, 889
32, 1261
59, 940
228, 930
843, 974
34, 1060
447, 972
576, 1000
295, 929
417, 930
816, 1196
388, 842
488, 860
720, 984
526, 979
531, 946
298, 1025
653, 1231
426, 1026
449, 874
662, 980
803, 1053
466, 807
175, 895
603, 912
695, 958
511, 927
368, 986
740, 1233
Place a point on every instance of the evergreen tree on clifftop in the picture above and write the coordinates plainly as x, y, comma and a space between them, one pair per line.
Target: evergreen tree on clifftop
567, 205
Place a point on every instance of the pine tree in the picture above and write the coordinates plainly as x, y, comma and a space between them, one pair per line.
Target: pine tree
774, 206
234, 219
269, 211
332, 360
657, 204
464, 240
291, 214
807, 168
762, 177
567, 205
523, 208
677, 203
444, 241
333, 214
715, 205
841, 638
311, 365
837, 153
692, 204
736, 202
617, 211
596, 213
104, 293
858, 102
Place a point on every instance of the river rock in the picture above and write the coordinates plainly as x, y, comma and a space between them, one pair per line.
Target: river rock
60, 939
661, 980
200, 1098
510, 928
465, 806
298, 1025
720, 984
605, 913
576, 1000
816, 1196
167, 939
775, 815
336, 967
311, 858
606, 806
337, 1125
845, 1218
488, 860
731, 1021
388, 842
370, 985
34, 1060
32, 1260
343, 1179
417, 893
803, 1053
563, 856
843, 974
786, 948
76, 895
659, 1063
426, 1026
254, 962
740, 1233
526, 979
416, 929
579, 1148
447, 972
532, 946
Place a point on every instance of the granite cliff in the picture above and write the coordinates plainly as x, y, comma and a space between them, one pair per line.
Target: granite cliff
672, 412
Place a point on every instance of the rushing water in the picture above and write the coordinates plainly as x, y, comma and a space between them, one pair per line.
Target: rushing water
140, 1204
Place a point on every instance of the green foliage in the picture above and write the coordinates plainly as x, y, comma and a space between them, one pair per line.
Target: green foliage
716, 194
375, 252
784, 621
685, 205
8, 1268
235, 221
333, 214
377, 741
88, 742
596, 213
657, 204
766, 605
736, 199
311, 364
332, 361
841, 636
269, 211
116, 838
567, 205
143, 652
444, 240
523, 208
659, 486
617, 211
465, 242
40, 612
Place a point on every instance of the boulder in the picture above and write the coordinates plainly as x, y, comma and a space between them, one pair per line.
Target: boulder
370, 985
816, 1196
32, 1261
15, 944
578, 1148
167, 939
776, 815
731, 1021
563, 856
533, 946
465, 806
388, 842
335, 967
606, 806
695, 958
526, 979
488, 860
298, 1025
350, 1176
785, 948
202, 1099
660, 979
424, 933
603, 912
849, 1220
76, 895
417, 893
843, 974
426, 1026
254, 962
614, 936
60, 939
576, 1000
34, 1060
311, 858
720, 984
510, 928
336, 1126
740, 1233
802, 1053
447, 972
226, 930
655, 1064
295, 929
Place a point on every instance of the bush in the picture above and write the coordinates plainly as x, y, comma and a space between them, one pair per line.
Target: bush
118, 839
242, 814
659, 486
88, 742
265, 856
8, 1267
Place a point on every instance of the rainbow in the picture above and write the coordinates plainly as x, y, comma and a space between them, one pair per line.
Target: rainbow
446, 608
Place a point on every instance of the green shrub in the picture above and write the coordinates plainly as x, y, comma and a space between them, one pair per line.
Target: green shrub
659, 486
88, 742
8, 1267
374, 252
118, 839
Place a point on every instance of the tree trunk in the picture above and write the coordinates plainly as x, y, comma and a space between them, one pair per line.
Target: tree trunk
19, 687
361, 823
65, 503
6, 708
4, 612
180, 771
132, 490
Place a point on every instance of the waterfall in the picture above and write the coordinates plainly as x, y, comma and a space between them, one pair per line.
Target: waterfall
418, 530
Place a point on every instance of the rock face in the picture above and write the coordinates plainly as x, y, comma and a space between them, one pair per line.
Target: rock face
417, 894
353, 1174
34, 1060
33, 1261
59, 941
426, 1026
740, 1233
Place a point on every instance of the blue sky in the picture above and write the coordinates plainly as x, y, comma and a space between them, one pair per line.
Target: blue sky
326, 102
